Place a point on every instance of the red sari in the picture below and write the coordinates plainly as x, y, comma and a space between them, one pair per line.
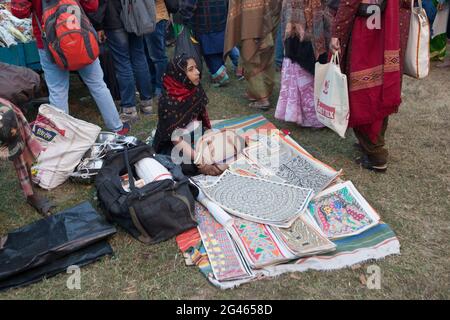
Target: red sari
372, 65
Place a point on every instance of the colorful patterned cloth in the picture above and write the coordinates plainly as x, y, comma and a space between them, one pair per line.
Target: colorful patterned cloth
30, 152
223, 257
375, 243
296, 100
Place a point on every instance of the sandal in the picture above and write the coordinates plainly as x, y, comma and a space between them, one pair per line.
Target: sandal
42, 205
246, 96
368, 164
261, 105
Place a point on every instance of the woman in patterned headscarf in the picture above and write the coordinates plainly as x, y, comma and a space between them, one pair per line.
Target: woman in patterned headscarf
372, 50
182, 106
305, 25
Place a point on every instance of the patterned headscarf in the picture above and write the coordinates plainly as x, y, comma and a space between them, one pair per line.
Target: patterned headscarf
308, 21
181, 102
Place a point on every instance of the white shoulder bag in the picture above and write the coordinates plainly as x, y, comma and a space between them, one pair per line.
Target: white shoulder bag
417, 56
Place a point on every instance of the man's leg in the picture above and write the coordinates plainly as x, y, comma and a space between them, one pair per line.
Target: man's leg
141, 72
118, 42
57, 81
156, 44
93, 77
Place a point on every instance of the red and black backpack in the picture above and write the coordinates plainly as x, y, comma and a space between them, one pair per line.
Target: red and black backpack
68, 34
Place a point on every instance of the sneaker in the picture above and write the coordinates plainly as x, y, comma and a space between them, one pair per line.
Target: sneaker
146, 106
220, 78
125, 129
128, 114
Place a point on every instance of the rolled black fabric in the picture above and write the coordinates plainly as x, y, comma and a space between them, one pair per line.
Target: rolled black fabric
45, 245
79, 258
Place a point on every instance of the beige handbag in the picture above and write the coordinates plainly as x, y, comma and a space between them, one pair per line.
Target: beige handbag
417, 56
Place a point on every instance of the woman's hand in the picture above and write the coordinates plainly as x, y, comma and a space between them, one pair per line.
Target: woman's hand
209, 169
335, 45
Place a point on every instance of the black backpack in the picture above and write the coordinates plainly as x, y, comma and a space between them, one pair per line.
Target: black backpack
154, 213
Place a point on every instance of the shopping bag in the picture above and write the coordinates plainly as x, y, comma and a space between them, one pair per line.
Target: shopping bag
438, 44
187, 44
417, 55
65, 140
331, 96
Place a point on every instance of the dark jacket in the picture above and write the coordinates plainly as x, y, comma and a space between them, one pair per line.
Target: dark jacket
97, 17
204, 16
112, 19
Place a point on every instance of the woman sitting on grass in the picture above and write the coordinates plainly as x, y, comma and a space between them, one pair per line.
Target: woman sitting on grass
182, 106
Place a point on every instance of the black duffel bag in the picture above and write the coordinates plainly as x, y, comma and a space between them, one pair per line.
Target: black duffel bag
154, 213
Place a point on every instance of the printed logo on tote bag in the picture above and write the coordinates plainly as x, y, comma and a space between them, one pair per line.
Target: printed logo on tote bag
326, 111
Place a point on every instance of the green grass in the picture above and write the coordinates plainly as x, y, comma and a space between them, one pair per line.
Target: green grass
413, 198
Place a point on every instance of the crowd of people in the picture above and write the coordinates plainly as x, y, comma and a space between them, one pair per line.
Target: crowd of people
260, 37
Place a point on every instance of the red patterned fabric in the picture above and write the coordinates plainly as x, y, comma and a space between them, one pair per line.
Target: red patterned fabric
30, 151
373, 65
177, 90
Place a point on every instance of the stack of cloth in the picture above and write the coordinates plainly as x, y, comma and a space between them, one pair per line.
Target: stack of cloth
12, 29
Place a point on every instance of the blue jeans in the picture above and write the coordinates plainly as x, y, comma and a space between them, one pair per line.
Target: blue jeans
156, 46
57, 81
214, 62
431, 11
279, 51
234, 56
131, 66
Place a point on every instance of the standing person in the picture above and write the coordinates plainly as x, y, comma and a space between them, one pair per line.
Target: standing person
372, 60
208, 19
18, 144
106, 60
57, 79
253, 24
306, 30
129, 61
156, 46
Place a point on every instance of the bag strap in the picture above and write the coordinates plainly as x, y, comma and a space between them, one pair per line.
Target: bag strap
130, 173
144, 237
335, 58
43, 35
419, 2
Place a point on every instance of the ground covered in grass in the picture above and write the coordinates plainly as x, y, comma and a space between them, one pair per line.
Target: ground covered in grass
413, 197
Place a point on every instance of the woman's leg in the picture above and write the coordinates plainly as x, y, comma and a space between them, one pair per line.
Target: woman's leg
375, 154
